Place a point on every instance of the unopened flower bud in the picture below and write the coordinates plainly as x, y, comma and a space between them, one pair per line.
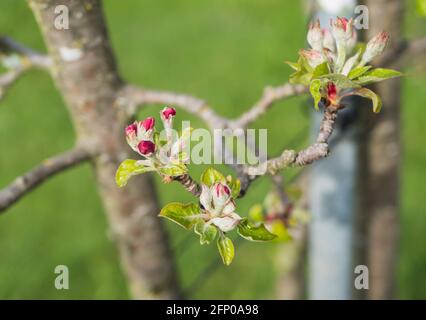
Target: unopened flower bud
315, 36
342, 29
313, 57
148, 123
131, 135
168, 112
375, 47
328, 40
146, 147
221, 194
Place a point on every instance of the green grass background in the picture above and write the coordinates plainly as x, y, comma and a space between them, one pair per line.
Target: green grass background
223, 51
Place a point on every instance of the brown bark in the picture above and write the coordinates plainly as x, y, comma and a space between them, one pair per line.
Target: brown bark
85, 72
379, 165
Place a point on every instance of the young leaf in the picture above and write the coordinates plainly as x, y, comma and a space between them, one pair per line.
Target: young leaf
207, 232
173, 170
357, 72
341, 81
294, 65
185, 215
367, 93
226, 249
300, 77
210, 176
129, 168
320, 70
377, 75
254, 232
315, 89
235, 185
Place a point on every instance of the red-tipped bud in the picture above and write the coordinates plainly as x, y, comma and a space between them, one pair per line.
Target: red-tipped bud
342, 29
315, 36
148, 123
222, 190
342, 22
131, 130
168, 112
375, 46
146, 147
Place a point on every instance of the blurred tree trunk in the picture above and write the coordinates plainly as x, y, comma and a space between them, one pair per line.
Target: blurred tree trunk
379, 179
85, 73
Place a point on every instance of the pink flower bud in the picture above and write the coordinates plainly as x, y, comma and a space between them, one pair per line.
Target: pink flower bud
146, 147
375, 47
168, 112
342, 29
313, 57
131, 136
148, 123
221, 190
315, 36
131, 130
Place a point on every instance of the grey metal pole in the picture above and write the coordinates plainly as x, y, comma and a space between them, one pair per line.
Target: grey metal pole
332, 194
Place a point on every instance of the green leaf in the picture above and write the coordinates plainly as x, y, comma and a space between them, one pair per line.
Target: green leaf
210, 176
294, 65
253, 232
235, 185
367, 93
173, 170
300, 77
315, 89
185, 215
129, 168
226, 249
320, 70
206, 231
341, 81
357, 72
377, 75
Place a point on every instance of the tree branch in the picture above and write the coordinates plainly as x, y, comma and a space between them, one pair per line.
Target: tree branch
292, 158
30, 180
8, 45
132, 97
29, 58
270, 96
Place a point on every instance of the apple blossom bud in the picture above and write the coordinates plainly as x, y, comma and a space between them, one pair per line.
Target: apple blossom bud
131, 135
315, 36
375, 47
146, 147
328, 40
342, 29
168, 112
148, 123
221, 194
313, 57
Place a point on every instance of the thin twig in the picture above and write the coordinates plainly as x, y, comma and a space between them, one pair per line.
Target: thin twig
48, 168
8, 45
